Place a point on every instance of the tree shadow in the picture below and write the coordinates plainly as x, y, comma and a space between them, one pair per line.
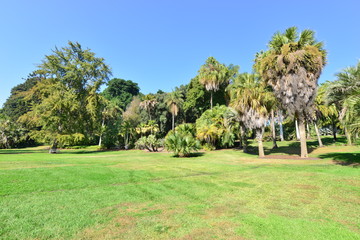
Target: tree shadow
192, 155
344, 159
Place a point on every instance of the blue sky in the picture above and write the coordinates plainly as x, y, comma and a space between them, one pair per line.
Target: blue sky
162, 44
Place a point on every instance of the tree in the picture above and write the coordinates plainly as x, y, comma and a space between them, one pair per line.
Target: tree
148, 103
213, 128
16, 106
345, 94
174, 100
253, 102
69, 104
292, 66
213, 74
121, 91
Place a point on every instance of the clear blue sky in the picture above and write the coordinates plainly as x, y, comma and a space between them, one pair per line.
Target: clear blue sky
162, 44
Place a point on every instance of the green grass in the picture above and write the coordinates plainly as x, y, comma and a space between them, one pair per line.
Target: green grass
84, 194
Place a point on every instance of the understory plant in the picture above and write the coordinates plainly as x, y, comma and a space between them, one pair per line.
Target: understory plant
182, 140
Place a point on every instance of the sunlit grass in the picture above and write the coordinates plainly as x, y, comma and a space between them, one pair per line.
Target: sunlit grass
226, 194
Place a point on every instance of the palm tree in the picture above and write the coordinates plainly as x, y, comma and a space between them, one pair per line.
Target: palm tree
213, 74
253, 102
345, 94
148, 103
292, 66
174, 100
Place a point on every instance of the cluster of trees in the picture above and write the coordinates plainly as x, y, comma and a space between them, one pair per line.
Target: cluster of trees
61, 102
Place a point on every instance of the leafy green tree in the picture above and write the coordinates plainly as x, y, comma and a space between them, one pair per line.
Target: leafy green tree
174, 100
345, 94
182, 140
213, 74
69, 103
197, 99
11, 133
292, 66
121, 91
16, 105
111, 118
253, 102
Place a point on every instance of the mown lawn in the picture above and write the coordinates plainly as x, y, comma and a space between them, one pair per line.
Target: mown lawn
84, 194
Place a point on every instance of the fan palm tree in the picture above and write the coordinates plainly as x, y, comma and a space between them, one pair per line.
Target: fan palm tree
213, 74
253, 102
291, 66
345, 94
148, 103
174, 100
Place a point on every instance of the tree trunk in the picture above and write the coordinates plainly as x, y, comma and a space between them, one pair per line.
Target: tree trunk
173, 121
334, 131
272, 123
244, 139
302, 133
281, 126
53, 148
348, 136
101, 131
308, 136
259, 134
211, 99
297, 130
318, 135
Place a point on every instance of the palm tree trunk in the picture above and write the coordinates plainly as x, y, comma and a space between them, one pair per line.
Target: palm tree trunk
308, 136
302, 133
297, 130
259, 133
211, 99
273, 130
173, 121
280, 125
244, 139
348, 136
318, 135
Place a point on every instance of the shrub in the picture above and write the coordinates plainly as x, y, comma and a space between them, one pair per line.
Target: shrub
150, 143
182, 140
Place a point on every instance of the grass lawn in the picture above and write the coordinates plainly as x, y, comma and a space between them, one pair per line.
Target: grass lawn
84, 194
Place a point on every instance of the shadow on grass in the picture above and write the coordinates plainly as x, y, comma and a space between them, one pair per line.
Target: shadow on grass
192, 155
345, 159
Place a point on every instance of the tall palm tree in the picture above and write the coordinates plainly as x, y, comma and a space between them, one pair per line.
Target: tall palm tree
213, 74
148, 103
174, 100
253, 102
345, 94
292, 66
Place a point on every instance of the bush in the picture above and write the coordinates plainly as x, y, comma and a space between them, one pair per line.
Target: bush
182, 140
150, 143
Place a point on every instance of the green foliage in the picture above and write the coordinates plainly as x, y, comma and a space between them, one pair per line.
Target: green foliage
68, 100
344, 93
197, 99
121, 91
214, 129
182, 140
151, 143
212, 75
12, 134
16, 105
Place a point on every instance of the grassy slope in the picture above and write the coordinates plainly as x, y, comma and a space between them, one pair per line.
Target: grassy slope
82, 194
